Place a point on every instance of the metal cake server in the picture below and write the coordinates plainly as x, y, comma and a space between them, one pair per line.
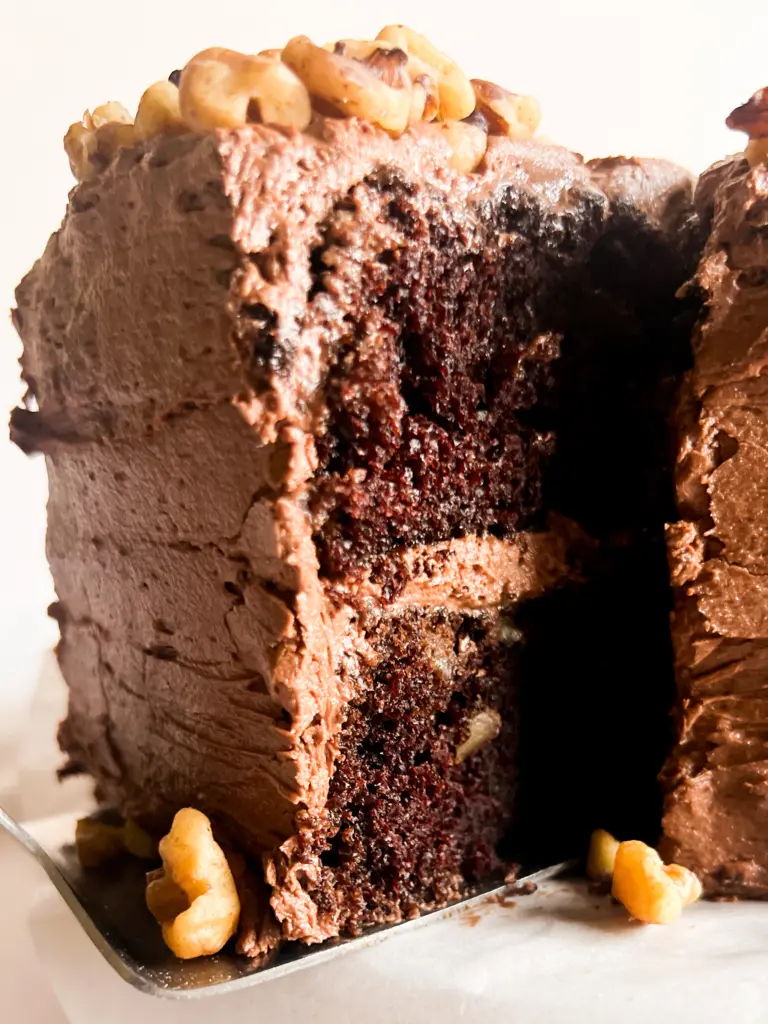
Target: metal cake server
109, 904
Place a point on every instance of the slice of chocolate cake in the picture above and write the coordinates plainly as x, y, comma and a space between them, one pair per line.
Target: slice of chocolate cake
355, 444
716, 777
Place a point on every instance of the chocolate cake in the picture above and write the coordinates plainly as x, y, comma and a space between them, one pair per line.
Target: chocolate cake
358, 474
715, 818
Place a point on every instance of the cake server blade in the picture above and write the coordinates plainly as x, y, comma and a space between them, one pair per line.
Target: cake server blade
109, 905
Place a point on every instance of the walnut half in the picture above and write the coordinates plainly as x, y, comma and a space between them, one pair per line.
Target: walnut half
652, 891
193, 896
95, 140
507, 113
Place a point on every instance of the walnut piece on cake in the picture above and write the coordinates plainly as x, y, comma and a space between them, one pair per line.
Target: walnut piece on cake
399, 81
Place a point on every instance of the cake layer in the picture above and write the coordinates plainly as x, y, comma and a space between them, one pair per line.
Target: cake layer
412, 816
717, 776
403, 315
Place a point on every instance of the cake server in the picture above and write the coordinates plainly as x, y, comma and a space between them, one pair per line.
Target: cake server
109, 905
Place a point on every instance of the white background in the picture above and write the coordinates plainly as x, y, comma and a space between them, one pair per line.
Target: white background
655, 80
645, 77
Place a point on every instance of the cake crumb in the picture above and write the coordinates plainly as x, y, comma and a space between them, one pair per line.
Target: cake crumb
513, 870
523, 889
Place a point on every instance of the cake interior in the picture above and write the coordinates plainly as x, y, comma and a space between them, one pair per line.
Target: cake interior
486, 385
435, 430
409, 826
434, 396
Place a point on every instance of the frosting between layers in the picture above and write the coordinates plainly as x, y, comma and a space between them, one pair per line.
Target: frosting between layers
717, 777
470, 573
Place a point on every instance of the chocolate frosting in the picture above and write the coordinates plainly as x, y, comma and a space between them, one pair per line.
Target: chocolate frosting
716, 777
200, 643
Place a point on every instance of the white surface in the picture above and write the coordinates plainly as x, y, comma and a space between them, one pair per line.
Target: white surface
558, 956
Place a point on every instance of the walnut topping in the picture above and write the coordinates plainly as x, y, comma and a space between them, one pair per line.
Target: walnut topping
650, 890
158, 111
349, 86
484, 726
193, 896
507, 113
94, 141
108, 113
398, 81
456, 97
396, 67
467, 142
221, 88
752, 117
390, 66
